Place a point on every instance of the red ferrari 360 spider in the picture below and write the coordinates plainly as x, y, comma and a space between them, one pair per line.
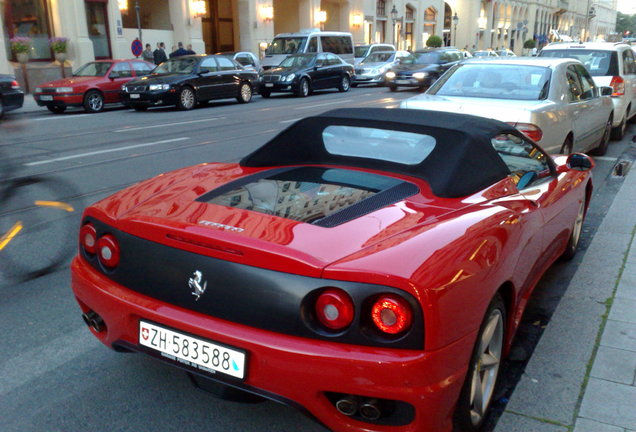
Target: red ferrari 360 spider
368, 265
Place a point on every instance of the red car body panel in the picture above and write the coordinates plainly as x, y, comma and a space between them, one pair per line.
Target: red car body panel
461, 252
109, 87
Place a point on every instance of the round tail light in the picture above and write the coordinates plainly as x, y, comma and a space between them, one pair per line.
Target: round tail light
108, 251
88, 238
391, 314
334, 309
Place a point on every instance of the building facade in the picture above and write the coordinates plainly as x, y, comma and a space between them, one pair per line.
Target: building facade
101, 29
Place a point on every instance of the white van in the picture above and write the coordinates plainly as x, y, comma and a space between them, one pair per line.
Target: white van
308, 41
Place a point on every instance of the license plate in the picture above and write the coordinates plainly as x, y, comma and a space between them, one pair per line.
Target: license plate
46, 98
403, 81
198, 353
134, 96
269, 85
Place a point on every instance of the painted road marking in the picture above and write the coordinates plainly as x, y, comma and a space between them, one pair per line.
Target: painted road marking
168, 124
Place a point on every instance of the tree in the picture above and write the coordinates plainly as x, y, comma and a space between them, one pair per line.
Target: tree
625, 23
434, 41
530, 43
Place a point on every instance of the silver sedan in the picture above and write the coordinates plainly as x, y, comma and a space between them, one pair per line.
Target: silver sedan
553, 101
372, 69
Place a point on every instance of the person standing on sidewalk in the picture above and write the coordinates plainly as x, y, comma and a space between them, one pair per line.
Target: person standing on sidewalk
179, 51
147, 54
159, 55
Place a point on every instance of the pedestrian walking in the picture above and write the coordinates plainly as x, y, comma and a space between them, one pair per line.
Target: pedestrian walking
147, 54
159, 55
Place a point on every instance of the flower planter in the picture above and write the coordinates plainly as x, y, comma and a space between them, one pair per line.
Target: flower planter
60, 57
23, 58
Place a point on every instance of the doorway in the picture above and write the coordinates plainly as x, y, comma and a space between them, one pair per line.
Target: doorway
218, 26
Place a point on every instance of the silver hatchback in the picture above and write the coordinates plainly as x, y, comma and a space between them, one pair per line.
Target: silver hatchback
553, 101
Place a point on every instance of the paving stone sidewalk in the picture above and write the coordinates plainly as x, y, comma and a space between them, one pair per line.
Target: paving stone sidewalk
582, 375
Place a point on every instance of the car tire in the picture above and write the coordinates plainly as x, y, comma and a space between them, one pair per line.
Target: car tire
483, 370
601, 149
619, 131
265, 93
140, 108
93, 101
244, 93
567, 146
393, 88
56, 109
575, 235
345, 84
303, 88
186, 99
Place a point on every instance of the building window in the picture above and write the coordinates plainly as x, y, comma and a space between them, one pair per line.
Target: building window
381, 8
380, 34
153, 14
28, 18
97, 23
430, 21
409, 13
408, 28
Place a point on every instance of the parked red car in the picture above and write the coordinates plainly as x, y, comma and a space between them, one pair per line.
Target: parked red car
368, 265
92, 86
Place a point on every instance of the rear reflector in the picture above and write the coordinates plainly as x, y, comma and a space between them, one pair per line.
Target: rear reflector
618, 84
88, 238
334, 309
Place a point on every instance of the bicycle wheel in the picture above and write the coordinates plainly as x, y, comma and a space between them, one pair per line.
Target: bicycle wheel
38, 226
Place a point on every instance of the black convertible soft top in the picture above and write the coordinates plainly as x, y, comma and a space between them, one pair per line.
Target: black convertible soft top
463, 161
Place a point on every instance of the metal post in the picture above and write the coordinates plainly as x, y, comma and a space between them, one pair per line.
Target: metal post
587, 21
139, 20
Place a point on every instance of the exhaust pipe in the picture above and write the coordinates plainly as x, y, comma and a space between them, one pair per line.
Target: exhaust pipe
348, 405
370, 410
94, 321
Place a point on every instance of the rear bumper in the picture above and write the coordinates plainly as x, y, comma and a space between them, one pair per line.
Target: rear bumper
295, 370
277, 87
367, 79
12, 100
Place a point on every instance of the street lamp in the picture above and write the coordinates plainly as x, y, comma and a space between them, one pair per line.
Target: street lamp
455, 21
137, 8
395, 19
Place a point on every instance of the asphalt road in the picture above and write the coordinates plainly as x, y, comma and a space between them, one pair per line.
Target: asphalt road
55, 376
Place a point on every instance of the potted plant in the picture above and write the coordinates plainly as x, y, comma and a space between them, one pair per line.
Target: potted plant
21, 46
434, 41
58, 46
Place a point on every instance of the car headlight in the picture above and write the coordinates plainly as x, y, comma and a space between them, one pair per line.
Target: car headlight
390, 75
64, 90
38, 89
420, 75
153, 87
290, 77
123, 87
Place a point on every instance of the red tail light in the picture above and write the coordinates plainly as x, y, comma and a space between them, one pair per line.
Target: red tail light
15, 85
530, 130
108, 251
618, 84
334, 309
88, 238
391, 314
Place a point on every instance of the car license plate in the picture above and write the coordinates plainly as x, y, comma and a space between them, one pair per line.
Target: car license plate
269, 85
403, 81
134, 96
46, 98
201, 354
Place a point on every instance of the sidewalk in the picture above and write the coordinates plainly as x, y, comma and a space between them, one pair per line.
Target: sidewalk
582, 375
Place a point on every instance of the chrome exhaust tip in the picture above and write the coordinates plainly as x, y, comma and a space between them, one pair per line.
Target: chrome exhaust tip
348, 405
94, 321
370, 410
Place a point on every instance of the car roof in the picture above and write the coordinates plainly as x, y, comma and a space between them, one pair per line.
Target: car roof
604, 46
523, 61
462, 162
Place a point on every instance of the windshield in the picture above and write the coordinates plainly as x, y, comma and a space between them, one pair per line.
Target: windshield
421, 58
378, 58
286, 45
296, 61
360, 51
598, 63
176, 65
93, 69
495, 81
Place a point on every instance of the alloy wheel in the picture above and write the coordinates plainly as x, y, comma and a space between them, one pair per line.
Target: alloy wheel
186, 99
245, 93
94, 101
486, 368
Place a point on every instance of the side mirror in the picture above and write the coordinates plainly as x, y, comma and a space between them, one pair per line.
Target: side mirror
579, 162
606, 91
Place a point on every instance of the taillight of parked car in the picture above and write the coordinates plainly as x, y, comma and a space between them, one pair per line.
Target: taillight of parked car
88, 238
618, 84
108, 251
15, 85
530, 130
334, 309
391, 314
